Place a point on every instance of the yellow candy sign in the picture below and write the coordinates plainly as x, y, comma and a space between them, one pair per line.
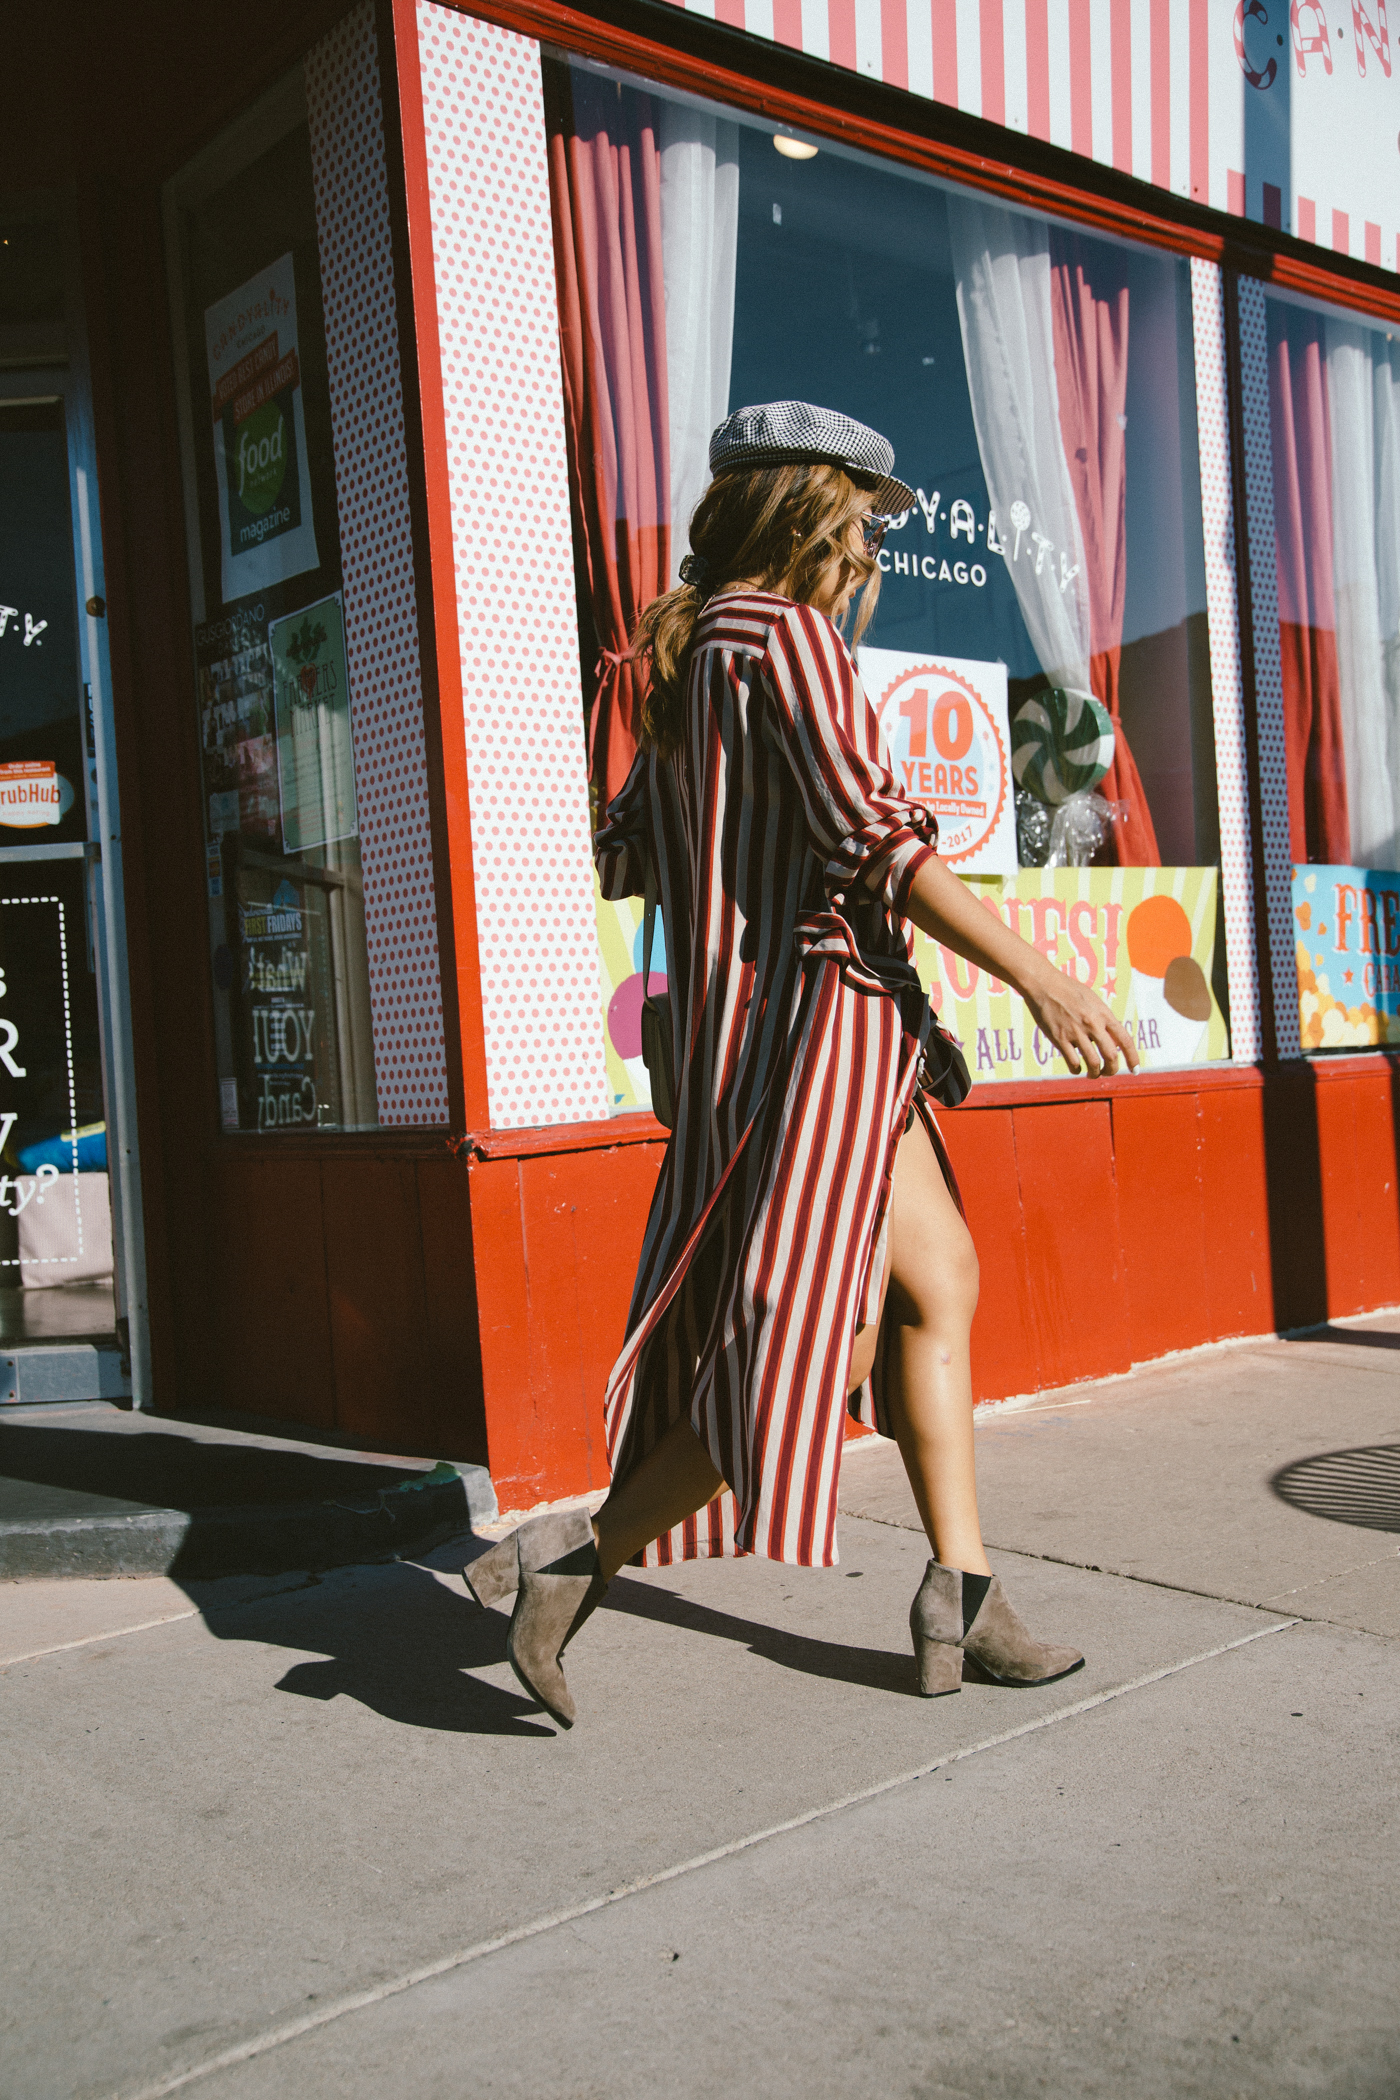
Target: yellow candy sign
1143, 938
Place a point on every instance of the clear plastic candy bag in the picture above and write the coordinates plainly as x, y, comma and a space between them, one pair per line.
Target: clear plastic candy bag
1067, 836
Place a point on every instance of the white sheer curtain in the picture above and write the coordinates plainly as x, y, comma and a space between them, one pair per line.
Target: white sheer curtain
699, 237
1358, 380
1001, 261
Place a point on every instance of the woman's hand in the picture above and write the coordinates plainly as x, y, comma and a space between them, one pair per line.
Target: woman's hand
1066, 1012
1079, 1024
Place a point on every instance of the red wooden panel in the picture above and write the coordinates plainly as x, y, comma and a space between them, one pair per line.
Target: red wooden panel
1234, 1183
1343, 1235
454, 1409
982, 1147
378, 1306
1069, 1202
272, 1353
1157, 1164
1374, 1162
584, 1215
1356, 1150
517, 1430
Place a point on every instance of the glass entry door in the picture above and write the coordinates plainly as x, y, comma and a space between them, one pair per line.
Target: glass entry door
57, 1264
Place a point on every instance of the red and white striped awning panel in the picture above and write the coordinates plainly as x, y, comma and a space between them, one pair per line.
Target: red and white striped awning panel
1285, 113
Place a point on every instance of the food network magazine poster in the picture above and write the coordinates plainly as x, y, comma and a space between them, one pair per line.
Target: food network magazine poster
266, 532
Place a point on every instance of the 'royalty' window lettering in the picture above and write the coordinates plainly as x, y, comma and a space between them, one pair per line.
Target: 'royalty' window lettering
963, 523
10, 617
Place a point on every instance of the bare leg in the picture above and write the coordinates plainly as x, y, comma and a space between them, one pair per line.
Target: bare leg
931, 1295
674, 1480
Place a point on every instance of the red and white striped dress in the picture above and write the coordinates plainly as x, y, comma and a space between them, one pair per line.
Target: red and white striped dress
784, 852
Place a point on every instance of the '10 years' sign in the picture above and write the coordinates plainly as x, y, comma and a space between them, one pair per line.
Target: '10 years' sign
945, 725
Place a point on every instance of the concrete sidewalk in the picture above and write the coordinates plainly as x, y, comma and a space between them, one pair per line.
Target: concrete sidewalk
308, 1837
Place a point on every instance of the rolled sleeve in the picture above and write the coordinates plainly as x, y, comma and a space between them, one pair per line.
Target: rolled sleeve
863, 827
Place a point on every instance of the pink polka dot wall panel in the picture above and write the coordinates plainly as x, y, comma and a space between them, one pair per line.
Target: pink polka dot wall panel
1227, 685
381, 623
493, 261
1268, 668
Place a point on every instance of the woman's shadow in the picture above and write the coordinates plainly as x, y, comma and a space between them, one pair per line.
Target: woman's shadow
395, 1638
408, 1645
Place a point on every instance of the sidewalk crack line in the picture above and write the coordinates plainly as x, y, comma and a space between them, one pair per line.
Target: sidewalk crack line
377, 1994
7, 1662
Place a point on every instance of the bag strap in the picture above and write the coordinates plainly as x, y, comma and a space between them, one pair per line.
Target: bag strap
648, 924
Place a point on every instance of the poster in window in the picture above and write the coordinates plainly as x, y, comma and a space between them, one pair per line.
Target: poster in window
236, 726
266, 530
283, 1027
1347, 933
945, 723
315, 753
1142, 938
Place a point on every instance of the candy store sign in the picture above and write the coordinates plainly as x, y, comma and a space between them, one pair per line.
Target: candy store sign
945, 725
962, 542
1142, 938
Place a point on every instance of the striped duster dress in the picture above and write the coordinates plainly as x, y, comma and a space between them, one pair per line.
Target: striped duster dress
784, 853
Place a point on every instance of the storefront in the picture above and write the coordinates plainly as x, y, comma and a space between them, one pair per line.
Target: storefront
380, 351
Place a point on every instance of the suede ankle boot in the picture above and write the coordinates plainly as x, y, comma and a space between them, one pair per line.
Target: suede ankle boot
994, 1639
552, 1565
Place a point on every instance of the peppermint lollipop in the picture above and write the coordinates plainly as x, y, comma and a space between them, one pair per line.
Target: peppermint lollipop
1061, 744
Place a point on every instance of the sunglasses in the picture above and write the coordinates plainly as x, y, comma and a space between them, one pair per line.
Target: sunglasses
874, 530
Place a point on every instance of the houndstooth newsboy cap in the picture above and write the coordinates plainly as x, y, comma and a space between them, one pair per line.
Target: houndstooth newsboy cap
794, 432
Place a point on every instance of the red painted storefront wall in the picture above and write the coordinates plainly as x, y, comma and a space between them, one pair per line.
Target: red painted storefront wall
1115, 1222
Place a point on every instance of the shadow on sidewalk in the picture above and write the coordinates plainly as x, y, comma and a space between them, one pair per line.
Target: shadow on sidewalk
1358, 1337
402, 1647
406, 1647
1361, 1486
876, 1668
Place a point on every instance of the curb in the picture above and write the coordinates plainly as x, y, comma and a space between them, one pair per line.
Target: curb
260, 1539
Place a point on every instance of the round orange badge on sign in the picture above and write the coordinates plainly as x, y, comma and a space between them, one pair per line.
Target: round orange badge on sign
947, 751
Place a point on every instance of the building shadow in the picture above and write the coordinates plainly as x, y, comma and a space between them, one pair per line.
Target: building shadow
1293, 1175
1360, 1487
221, 1506
1355, 1337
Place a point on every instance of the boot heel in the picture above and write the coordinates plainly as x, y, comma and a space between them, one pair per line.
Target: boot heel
494, 1574
940, 1667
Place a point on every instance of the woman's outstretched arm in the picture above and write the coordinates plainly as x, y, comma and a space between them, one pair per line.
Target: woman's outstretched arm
1073, 1018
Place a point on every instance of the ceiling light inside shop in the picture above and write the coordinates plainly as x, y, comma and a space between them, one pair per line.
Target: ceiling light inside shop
794, 149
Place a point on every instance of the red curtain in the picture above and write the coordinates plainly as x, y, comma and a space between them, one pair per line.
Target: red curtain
1319, 826
1091, 369
605, 193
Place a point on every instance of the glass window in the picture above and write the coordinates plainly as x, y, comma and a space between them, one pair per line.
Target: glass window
55, 1212
1334, 399
272, 696
1039, 658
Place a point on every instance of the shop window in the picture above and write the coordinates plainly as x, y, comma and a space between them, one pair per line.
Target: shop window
272, 701
1334, 411
1039, 658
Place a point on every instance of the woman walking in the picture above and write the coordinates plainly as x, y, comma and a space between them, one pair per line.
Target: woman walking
805, 1250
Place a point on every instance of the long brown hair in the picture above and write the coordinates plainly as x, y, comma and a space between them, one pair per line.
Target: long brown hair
775, 528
